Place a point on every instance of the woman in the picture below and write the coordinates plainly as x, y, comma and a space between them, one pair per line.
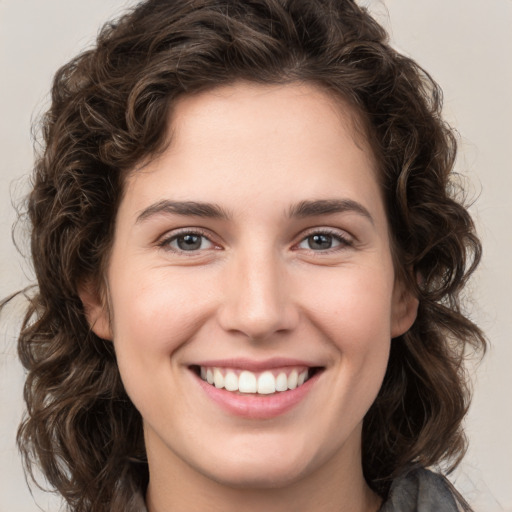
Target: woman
249, 258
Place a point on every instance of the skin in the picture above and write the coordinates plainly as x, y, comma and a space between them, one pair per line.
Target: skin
254, 289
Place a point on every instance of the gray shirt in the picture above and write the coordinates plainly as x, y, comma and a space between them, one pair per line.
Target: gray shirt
420, 490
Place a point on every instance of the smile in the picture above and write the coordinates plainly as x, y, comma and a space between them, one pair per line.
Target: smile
264, 383
256, 390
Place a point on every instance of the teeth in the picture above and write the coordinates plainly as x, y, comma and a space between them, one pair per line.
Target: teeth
231, 382
282, 382
292, 379
218, 378
247, 382
265, 383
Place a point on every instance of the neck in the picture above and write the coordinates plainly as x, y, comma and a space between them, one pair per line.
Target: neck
337, 485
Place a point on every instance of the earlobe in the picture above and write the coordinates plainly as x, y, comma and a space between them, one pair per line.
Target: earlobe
96, 311
405, 310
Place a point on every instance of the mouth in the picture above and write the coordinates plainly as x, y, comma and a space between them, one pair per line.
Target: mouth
245, 382
257, 390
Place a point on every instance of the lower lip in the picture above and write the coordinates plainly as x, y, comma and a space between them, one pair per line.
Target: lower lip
253, 406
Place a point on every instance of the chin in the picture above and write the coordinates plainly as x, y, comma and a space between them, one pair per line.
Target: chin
256, 477
261, 471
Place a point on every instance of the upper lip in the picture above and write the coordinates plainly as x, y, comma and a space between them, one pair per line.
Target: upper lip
254, 365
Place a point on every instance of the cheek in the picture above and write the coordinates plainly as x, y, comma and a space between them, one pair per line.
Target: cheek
354, 316
152, 320
354, 306
155, 310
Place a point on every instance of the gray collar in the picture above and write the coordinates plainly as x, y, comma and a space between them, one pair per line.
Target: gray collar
421, 490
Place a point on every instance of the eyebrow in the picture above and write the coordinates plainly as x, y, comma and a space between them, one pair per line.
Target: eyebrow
310, 208
327, 207
185, 208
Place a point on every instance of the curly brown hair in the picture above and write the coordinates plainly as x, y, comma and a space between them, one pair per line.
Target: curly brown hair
109, 111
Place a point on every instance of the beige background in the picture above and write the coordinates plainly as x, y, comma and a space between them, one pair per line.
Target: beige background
465, 44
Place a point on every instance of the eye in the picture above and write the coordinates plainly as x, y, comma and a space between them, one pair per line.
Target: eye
323, 241
187, 241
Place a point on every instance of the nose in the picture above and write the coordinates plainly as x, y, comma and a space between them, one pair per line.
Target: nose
257, 297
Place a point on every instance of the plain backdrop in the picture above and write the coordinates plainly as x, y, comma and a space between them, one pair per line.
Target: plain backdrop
465, 44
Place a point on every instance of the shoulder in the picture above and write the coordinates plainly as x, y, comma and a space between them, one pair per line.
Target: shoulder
421, 490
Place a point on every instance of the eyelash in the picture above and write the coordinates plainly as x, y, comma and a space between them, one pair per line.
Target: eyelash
165, 242
343, 240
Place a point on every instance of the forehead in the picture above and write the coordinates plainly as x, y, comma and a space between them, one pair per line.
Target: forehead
276, 106
248, 139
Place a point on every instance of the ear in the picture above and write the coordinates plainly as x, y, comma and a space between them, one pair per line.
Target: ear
404, 310
96, 310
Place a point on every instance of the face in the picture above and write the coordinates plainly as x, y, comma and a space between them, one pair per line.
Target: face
252, 289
